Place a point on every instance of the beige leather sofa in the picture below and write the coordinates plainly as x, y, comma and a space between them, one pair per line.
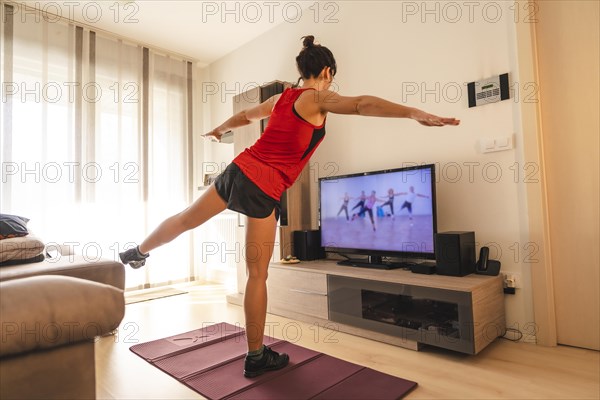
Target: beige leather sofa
51, 314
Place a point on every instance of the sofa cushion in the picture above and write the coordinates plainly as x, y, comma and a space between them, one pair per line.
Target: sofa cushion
64, 372
42, 312
12, 226
102, 271
31, 260
20, 248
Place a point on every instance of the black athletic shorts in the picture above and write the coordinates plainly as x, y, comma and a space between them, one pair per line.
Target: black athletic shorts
243, 196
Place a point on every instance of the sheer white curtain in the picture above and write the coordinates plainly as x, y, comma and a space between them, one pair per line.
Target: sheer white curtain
169, 182
38, 129
95, 141
114, 206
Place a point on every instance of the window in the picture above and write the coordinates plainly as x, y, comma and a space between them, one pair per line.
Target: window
95, 140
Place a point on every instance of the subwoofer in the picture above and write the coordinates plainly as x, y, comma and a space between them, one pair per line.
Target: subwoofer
307, 245
455, 253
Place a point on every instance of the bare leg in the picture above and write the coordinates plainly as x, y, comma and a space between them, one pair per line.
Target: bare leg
203, 209
260, 238
370, 211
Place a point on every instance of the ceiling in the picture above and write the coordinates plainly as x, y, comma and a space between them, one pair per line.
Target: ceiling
201, 30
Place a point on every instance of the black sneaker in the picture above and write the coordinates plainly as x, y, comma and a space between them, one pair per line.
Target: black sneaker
270, 361
134, 258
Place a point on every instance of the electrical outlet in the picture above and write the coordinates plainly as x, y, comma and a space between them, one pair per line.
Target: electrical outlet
512, 279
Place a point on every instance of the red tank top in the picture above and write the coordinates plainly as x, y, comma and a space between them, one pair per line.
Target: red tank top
276, 159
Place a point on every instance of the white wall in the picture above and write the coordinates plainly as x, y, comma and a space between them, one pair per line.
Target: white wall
388, 49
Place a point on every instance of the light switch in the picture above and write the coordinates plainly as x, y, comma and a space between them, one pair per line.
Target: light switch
489, 145
504, 143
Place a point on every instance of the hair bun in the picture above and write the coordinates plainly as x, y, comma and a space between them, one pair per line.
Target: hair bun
309, 41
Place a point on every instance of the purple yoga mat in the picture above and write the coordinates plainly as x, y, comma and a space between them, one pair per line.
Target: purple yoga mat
210, 361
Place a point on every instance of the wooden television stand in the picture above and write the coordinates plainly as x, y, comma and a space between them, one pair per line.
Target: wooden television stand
399, 307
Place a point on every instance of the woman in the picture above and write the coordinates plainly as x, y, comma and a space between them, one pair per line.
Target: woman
361, 201
410, 199
253, 183
390, 201
344, 206
367, 208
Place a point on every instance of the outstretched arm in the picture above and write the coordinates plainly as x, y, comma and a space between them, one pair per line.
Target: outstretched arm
243, 118
376, 107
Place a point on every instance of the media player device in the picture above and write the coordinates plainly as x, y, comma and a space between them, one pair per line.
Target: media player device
427, 268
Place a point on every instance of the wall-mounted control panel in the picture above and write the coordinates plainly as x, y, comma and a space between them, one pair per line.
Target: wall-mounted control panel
489, 90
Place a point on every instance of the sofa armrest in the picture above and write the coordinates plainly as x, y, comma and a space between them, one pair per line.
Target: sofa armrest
41, 312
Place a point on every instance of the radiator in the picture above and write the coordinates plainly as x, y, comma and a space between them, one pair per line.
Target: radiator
219, 247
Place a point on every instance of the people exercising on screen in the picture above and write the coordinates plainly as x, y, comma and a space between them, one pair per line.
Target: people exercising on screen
410, 199
390, 201
361, 201
254, 182
367, 208
344, 206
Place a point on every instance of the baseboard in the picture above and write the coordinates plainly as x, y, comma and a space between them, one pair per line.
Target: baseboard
235, 299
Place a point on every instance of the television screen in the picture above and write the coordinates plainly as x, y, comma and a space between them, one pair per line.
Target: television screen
388, 213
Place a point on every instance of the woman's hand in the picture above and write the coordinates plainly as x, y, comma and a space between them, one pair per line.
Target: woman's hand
213, 135
432, 120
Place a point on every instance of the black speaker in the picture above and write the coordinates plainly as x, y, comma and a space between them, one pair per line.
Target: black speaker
307, 245
455, 253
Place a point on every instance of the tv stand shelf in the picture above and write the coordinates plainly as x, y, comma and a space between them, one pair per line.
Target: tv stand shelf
394, 306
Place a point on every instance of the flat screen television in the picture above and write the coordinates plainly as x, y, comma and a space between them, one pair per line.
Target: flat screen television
388, 217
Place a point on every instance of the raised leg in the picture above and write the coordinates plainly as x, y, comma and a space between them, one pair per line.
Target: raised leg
203, 209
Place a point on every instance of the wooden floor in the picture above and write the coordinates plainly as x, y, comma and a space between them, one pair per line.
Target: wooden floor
503, 370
